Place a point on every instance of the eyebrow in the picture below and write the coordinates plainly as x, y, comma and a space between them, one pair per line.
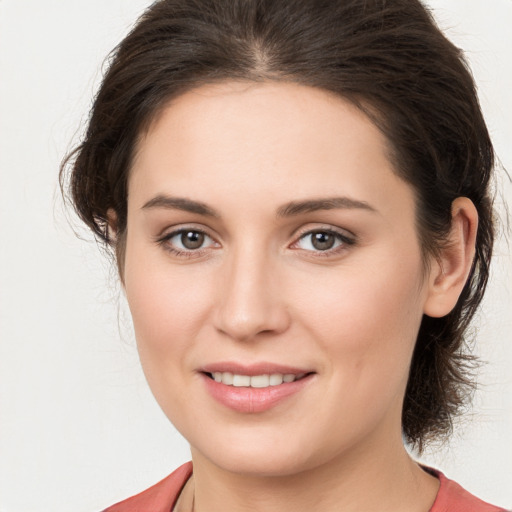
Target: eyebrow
288, 210
180, 203
330, 203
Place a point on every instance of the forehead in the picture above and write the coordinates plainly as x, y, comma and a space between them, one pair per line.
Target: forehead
274, 140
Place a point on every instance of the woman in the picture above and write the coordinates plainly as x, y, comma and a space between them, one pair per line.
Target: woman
297, 196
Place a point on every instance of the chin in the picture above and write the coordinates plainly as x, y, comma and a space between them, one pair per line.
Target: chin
266, 454
261, 464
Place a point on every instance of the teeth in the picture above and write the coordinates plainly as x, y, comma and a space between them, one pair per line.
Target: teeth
276, 379
260, 381
255, 381
227, 378
241, 380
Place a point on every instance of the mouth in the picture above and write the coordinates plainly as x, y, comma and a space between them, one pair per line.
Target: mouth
255, 388
264, 380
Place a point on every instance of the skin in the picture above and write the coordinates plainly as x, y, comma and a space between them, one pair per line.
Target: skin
258, 290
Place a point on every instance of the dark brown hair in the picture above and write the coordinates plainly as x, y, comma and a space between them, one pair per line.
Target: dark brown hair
389, 58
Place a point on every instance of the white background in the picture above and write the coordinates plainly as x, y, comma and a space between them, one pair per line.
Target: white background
79, 428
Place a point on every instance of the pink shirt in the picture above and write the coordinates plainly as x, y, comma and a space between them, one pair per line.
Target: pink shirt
162, 496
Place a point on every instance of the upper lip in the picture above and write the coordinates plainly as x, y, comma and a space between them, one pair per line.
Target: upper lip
261, 368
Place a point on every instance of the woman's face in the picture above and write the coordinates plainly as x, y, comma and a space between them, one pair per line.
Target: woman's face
268, 239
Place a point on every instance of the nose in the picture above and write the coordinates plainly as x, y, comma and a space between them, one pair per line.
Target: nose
251, 301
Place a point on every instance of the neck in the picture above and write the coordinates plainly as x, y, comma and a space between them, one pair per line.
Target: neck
370, 479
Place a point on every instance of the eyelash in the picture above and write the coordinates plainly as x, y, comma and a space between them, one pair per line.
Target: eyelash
343, 240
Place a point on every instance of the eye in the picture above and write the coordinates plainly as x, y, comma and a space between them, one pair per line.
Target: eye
323, 240
186, 241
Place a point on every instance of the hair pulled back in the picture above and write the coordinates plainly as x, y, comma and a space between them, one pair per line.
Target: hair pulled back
387, 57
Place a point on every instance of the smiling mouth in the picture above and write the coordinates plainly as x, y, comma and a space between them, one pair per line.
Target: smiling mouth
255, 388
255, 381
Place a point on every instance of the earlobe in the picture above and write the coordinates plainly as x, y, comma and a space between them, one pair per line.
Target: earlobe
449, 272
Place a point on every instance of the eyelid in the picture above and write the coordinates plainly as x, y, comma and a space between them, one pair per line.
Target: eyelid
182, 226
312, 228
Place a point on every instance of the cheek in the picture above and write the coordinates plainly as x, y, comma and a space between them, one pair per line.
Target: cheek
168, 305
366, 319
168, 309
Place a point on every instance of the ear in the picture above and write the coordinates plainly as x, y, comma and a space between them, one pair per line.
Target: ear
118, 242
112, 225
450, 270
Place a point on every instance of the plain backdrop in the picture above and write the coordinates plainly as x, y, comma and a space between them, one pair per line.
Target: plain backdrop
79, 428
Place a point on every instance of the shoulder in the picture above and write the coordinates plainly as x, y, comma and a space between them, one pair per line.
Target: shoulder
161, 497
454, 498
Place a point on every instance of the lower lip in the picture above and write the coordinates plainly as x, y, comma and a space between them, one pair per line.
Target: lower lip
254, 400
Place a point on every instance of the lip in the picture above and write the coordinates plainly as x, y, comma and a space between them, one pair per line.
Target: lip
253, 400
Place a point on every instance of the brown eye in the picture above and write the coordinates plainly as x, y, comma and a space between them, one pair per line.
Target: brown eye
322, 240
192, 239
187, 241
